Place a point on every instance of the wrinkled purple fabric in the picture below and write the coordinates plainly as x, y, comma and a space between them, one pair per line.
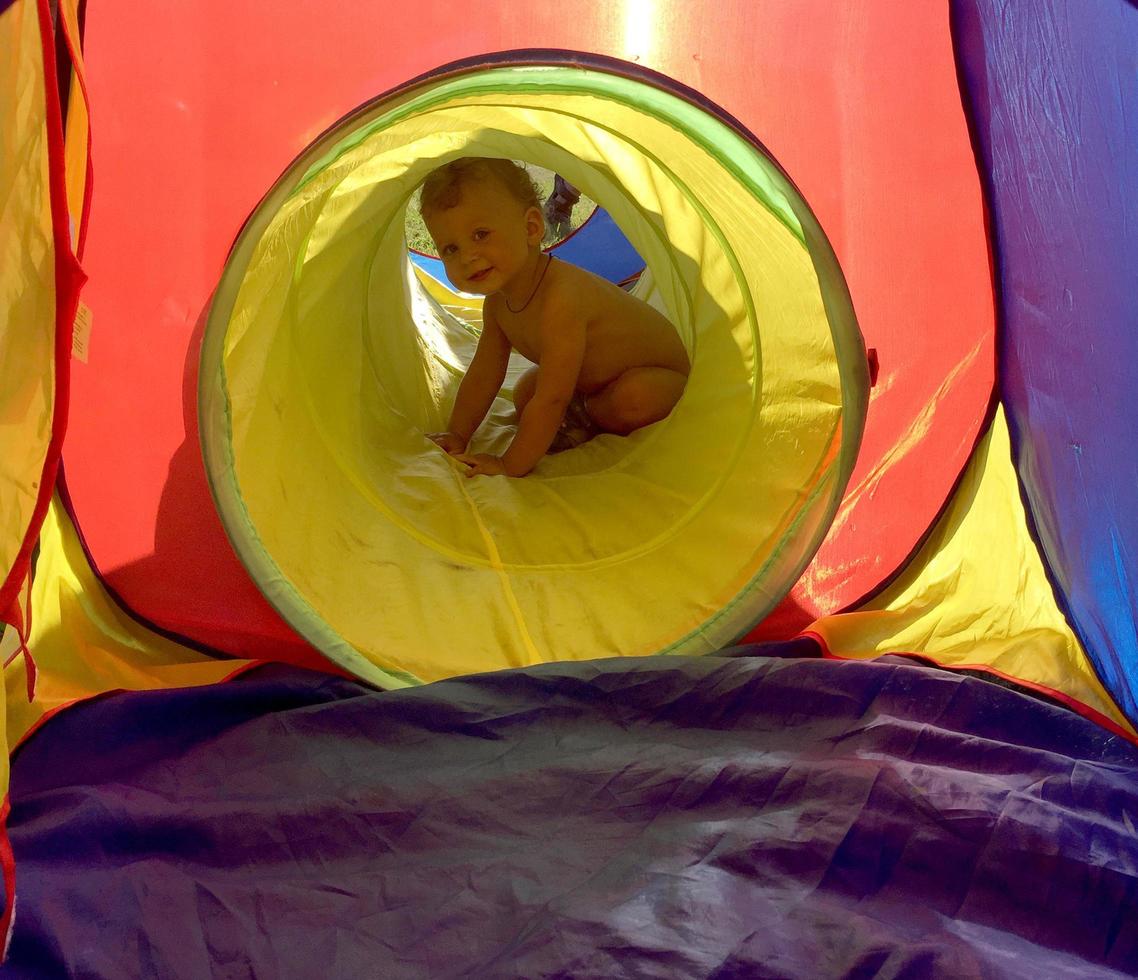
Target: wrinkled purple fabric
668, 817
1051, 90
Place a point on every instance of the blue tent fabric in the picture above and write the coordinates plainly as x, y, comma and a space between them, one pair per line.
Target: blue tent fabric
600, 246
727, 816
1052, 91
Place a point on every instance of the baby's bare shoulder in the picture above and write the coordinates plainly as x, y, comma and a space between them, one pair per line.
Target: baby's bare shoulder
559, 297
566, 277
492, 304
575, 288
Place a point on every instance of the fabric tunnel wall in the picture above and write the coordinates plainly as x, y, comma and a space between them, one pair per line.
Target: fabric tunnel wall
325, 360
927, 765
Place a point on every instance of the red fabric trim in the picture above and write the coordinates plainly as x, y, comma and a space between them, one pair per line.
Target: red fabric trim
1075, 705
75, 46
21, 621
29, 660
69, 279
14, 617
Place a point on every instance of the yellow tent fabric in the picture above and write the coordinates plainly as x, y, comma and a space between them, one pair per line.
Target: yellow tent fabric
78, 123
85, 645
977, 596
27, 278
325, 362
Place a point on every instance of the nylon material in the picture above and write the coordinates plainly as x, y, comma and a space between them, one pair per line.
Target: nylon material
930, 823
340, 292
396, 471
439, 362
77, 156
327, 330
6, 744
417, 477
752, 597
403, 369
586, 177
398, 594
404, 591
262, 303
759, 253
27, 280
421, 644
276, 442
1063, 168
732, 207
435, 300
977, 594
76, 144
415, 502
582, 150
344, 271
566, 84
268, 260
820, 580
394, 579
849, 346
72, 611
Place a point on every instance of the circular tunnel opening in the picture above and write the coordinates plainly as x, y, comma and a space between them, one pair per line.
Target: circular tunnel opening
327, 358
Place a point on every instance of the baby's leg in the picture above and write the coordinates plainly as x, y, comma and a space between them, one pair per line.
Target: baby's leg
575, 428
635, 399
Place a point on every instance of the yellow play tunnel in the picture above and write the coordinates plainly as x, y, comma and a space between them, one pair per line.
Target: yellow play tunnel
325, 361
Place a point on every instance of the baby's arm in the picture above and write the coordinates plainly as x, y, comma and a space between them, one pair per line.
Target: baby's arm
481, 383
562, 352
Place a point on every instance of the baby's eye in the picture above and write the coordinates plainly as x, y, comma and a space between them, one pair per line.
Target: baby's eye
447, 250
480, 234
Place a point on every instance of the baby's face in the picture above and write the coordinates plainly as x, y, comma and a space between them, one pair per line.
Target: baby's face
485, 239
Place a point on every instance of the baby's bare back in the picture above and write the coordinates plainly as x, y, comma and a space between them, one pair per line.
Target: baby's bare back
621, 331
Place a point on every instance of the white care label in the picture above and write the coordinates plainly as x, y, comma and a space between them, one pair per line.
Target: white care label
81, 333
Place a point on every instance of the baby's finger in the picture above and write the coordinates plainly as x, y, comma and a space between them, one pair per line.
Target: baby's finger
469, 463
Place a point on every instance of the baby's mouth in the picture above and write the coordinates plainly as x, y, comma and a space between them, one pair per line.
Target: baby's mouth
481, 274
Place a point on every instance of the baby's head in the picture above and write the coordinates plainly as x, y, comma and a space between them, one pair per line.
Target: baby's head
484, 218
444, 187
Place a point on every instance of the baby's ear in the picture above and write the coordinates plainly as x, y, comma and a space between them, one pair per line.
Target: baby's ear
535, 225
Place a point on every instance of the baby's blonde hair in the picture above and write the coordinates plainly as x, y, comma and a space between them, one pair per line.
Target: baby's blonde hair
443, 187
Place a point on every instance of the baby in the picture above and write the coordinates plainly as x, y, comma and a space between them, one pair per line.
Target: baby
604, 361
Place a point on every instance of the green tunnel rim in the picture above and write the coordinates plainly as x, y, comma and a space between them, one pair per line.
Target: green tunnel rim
715, 132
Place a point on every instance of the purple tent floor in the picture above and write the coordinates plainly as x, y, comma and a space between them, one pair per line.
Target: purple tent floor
731, 816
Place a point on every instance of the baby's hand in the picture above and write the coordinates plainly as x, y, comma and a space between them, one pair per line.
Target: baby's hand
448, 442
482, 464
